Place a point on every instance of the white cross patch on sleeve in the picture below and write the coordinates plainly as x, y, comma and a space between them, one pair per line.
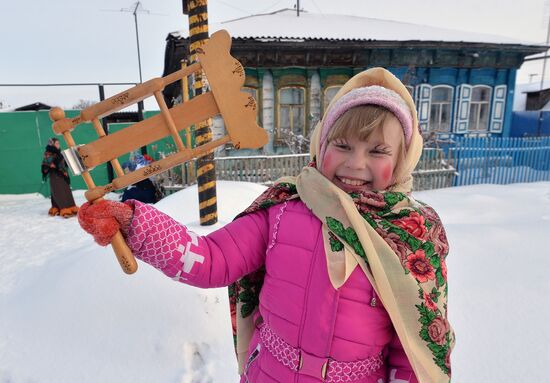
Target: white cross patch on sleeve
188, 257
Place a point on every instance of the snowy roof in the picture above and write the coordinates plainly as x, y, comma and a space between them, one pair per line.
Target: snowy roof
533, 87
34, 106
284, 24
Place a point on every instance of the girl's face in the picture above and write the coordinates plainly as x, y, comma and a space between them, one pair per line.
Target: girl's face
57, 144
355, 165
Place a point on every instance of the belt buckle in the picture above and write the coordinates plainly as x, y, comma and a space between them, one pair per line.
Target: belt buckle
312, 365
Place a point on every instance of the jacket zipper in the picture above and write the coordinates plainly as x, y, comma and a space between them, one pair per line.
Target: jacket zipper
311, 266
253, 356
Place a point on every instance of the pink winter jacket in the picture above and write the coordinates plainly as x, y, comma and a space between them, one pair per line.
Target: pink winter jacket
297, 301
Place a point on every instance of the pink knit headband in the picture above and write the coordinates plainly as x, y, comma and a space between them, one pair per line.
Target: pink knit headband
368, 95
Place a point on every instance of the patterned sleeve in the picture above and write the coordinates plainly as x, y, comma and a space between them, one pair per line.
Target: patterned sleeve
215, 260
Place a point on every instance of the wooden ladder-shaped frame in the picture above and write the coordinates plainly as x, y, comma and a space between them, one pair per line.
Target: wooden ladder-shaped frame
238, 109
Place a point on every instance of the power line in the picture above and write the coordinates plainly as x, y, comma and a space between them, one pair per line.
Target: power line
316, 6
232, 6
271, 6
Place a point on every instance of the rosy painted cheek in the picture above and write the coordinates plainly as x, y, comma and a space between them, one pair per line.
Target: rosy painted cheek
382, 176
327, 164
387, 172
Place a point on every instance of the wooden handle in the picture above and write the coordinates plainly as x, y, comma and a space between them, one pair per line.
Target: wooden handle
154, 168
124, 254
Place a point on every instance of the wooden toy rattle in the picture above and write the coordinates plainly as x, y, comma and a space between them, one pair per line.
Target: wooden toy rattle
225, 76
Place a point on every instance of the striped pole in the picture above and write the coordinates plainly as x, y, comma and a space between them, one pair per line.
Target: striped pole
206, 171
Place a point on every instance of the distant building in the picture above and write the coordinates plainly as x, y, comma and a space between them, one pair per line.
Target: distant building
532, 96
33, 107
531, 117
538, 100
462, 82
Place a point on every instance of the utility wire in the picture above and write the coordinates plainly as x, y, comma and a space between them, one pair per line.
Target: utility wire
232, 6
316, 6
271, 6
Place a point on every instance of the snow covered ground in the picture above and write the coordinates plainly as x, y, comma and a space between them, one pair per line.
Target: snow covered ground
69, 314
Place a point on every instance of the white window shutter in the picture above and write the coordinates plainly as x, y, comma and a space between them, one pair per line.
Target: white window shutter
412, 90
499, 104
415, 95
423, 103
462, 108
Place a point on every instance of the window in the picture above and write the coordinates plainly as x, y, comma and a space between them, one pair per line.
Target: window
330, 92
291, 111
479, 109
440, 110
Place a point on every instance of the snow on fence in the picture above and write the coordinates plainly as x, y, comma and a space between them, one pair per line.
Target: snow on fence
500, 160
432, 171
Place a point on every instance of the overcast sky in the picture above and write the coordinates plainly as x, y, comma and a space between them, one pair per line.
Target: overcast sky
77, 41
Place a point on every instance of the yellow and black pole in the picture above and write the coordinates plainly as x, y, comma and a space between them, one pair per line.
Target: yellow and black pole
206, 171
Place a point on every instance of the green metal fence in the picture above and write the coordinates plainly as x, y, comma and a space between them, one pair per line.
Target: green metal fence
23, 138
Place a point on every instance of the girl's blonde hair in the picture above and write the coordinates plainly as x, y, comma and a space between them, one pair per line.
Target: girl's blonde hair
360, 122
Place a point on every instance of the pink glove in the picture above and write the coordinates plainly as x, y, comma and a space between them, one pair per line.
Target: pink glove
103, 219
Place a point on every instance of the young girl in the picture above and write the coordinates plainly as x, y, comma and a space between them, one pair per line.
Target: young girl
340, 274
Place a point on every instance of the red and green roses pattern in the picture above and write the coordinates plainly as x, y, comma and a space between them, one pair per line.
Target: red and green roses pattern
416, 236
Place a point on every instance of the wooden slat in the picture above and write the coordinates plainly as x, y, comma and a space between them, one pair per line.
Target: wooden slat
154, 168
147, 131
122, 100
133, 95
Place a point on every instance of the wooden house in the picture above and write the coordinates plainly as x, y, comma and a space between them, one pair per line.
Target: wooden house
462, 82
